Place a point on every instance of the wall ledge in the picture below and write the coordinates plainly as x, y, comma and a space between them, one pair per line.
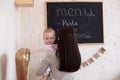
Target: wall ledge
24, 3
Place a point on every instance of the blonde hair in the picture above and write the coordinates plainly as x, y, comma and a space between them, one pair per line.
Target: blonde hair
49, 30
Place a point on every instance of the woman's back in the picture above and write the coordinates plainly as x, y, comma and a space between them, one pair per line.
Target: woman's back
55, 74
66, 60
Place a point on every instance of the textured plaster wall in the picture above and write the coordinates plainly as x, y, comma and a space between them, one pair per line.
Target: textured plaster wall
106, 67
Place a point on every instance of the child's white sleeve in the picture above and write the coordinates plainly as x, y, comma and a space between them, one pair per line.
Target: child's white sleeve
47, 72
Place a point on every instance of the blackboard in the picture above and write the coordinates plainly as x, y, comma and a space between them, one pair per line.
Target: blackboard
85, 17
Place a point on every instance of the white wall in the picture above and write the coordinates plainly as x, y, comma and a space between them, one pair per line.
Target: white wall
9, 32
27, 32
104, 68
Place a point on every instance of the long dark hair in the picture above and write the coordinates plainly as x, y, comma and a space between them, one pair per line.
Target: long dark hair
68, 51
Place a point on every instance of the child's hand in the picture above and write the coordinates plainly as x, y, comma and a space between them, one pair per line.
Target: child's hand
45, 77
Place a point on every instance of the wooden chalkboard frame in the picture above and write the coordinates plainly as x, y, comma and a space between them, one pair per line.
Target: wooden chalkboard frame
85, 33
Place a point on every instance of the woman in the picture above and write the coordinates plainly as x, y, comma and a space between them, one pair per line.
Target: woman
66, 60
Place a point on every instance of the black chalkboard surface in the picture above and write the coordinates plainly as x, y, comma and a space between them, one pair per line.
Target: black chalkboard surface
85, 17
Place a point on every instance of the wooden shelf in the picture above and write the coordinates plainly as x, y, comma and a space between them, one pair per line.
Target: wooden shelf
24, 3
